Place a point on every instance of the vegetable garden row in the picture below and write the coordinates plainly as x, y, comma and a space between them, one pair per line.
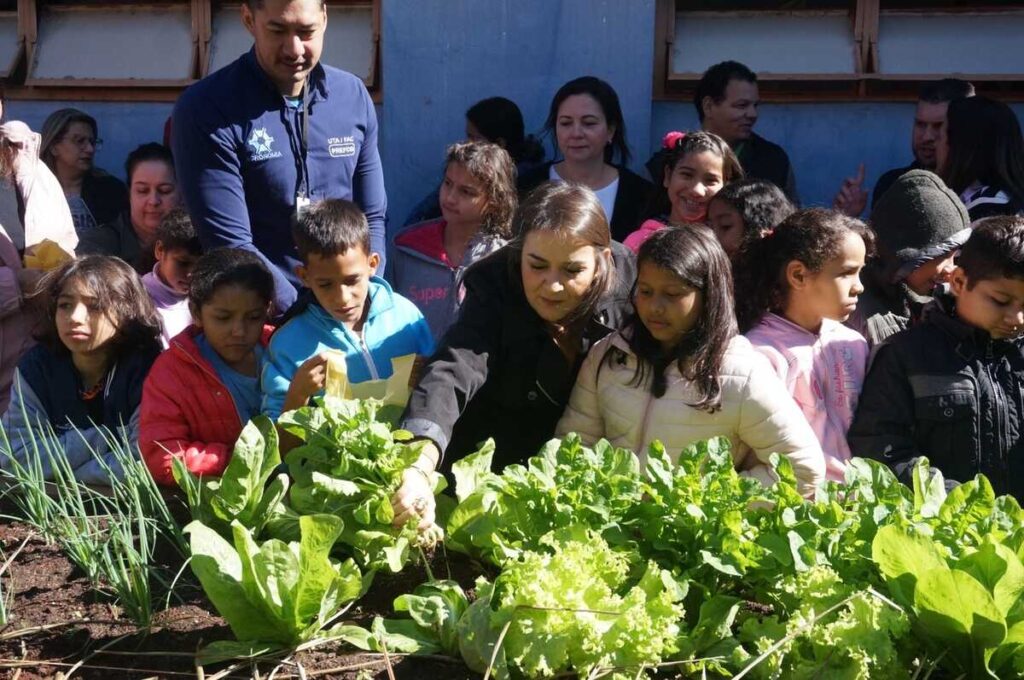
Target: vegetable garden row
587, 565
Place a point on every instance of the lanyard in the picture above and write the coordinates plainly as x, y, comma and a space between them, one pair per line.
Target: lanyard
304, 142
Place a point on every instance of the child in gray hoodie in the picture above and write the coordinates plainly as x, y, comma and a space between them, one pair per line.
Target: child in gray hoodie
478, 199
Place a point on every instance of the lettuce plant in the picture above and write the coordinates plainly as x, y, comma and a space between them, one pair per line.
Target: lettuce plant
244, 492
274, 595
350, 465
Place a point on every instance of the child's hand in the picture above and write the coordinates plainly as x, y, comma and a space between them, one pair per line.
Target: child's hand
309, 379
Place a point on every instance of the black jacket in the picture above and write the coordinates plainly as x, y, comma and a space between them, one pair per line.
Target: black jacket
947, 391
766, 160
498, 373
118, 238
632, 201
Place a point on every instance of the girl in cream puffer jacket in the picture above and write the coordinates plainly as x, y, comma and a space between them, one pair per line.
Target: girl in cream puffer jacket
679, 374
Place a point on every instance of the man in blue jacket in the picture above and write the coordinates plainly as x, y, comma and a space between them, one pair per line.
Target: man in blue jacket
258, 140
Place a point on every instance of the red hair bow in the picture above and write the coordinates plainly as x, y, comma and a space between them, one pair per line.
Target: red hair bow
672, 139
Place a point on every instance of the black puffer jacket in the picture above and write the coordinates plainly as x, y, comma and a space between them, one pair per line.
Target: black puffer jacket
498, 373
947, 391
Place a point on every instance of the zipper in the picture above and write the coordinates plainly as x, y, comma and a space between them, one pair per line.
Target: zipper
997, 393
368, 358
645, 423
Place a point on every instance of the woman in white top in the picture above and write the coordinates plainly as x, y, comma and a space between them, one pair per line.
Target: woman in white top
590, 135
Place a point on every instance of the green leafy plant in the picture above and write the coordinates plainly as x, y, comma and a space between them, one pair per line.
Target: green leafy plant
574, 604
350, 465
244, 492
969, 609
274, 595
434, 610
566, 484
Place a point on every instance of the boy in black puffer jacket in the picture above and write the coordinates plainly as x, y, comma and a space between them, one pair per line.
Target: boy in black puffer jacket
952, 387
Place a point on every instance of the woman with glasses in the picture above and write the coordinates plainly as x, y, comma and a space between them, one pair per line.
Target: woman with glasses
69, 146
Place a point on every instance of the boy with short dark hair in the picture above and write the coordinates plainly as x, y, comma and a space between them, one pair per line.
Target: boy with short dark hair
354, 311
176, 248
951, 388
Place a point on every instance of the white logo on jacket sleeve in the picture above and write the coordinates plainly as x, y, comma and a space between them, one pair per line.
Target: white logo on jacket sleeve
341, 147
261, 144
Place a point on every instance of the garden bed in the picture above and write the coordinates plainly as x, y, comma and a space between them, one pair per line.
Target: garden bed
56, 620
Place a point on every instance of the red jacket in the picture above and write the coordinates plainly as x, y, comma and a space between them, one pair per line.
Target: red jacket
187, 411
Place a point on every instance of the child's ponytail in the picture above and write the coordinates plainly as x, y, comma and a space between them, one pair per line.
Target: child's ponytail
812, 236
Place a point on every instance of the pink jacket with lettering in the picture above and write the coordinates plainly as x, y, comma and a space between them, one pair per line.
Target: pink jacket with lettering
419, 269
824, 373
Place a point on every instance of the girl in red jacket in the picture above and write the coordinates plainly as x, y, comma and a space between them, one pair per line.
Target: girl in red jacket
205, 386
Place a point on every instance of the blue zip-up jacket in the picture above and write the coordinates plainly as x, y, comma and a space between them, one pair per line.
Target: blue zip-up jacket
237, 152
393, 328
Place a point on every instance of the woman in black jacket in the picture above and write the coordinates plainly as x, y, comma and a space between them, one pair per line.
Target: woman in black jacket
980, 155
590, 133
532, 310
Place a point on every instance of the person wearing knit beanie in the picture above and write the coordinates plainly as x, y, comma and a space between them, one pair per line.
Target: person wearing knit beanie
920, 225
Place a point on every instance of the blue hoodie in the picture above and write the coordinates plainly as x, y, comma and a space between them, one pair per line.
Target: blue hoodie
236, 144
394, 327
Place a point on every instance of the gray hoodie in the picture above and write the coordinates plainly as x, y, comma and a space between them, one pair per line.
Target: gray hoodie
418, 268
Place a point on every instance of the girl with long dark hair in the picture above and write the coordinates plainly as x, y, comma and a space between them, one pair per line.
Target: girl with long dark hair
678, 373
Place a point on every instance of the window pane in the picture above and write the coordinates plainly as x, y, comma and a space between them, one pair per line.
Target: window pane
950, 43
767, 42
763, 5
348, 44
114, 43
8, 41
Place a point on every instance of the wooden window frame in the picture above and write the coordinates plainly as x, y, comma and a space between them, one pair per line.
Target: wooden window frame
19, 86
864, 84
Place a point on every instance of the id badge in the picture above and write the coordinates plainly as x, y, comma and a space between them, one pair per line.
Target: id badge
301, 204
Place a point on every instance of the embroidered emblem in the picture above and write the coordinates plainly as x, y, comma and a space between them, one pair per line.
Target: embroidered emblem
261, 143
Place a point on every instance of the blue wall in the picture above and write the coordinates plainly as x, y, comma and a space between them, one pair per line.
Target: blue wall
441, 56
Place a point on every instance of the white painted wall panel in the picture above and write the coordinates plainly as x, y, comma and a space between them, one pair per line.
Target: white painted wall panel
766, 42
145, 44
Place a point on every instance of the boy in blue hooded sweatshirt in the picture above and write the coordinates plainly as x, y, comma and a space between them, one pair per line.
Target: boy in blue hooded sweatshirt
354, 311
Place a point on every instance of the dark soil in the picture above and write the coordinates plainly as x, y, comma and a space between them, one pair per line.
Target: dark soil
56, 620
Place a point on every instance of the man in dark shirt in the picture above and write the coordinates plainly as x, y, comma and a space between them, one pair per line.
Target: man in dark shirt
726, 101
929, 117
265, 136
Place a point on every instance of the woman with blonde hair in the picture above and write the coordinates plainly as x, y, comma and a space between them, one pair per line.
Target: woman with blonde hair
70, 140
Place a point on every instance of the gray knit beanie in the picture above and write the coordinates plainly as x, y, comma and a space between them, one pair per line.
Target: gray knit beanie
917, 220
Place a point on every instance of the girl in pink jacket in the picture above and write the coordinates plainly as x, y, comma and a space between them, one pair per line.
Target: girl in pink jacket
794, 287
679, 374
